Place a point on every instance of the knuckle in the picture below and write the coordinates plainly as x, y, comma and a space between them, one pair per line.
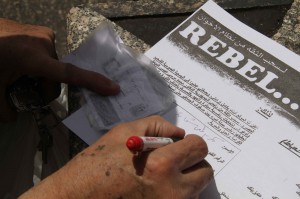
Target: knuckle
156, 118
49, 31
158, 164
46, 31
198, 143
209, 171
208, 167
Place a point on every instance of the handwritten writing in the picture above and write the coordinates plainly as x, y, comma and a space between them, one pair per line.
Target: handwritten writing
223, 119
221, 152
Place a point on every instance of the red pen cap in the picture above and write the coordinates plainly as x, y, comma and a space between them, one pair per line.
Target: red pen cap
135, 143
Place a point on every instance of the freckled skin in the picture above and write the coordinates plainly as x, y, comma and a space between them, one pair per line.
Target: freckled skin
100, 148
107, 169
30, 50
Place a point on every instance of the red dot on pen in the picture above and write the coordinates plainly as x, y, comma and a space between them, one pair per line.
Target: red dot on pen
134, 143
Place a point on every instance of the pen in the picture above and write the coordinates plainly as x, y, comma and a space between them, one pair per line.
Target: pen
137, 144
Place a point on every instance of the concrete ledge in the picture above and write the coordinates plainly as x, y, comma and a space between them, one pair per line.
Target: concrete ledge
289, 33
81, 21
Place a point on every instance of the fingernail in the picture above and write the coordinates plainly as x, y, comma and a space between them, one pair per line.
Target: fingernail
115, 88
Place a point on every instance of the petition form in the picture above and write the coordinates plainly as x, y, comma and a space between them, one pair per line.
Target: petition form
240, 91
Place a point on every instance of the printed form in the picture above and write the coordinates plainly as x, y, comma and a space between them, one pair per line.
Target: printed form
239, 90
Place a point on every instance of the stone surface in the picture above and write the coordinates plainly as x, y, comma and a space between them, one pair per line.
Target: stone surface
83, 20
289, 33
50, 13
156, 7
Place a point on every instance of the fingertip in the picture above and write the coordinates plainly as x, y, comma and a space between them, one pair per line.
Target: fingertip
104, 87
91, 80
113, 88
181, 131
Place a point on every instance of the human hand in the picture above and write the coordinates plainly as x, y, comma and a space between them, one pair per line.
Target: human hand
30, 50
107, 169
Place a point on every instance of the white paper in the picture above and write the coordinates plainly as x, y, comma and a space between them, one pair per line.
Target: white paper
240, 91
104, 52
246, 108
79, 124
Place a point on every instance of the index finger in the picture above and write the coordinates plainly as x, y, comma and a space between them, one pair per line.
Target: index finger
70, 74
154, 126
163, 128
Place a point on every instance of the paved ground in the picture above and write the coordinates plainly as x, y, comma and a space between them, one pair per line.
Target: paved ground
51, 13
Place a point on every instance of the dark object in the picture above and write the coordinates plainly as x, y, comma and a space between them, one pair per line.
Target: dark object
41, 117
25, 94
46, 141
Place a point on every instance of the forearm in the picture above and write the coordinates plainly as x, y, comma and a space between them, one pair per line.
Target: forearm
77, 180
63, 184
107, 170
47, 188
